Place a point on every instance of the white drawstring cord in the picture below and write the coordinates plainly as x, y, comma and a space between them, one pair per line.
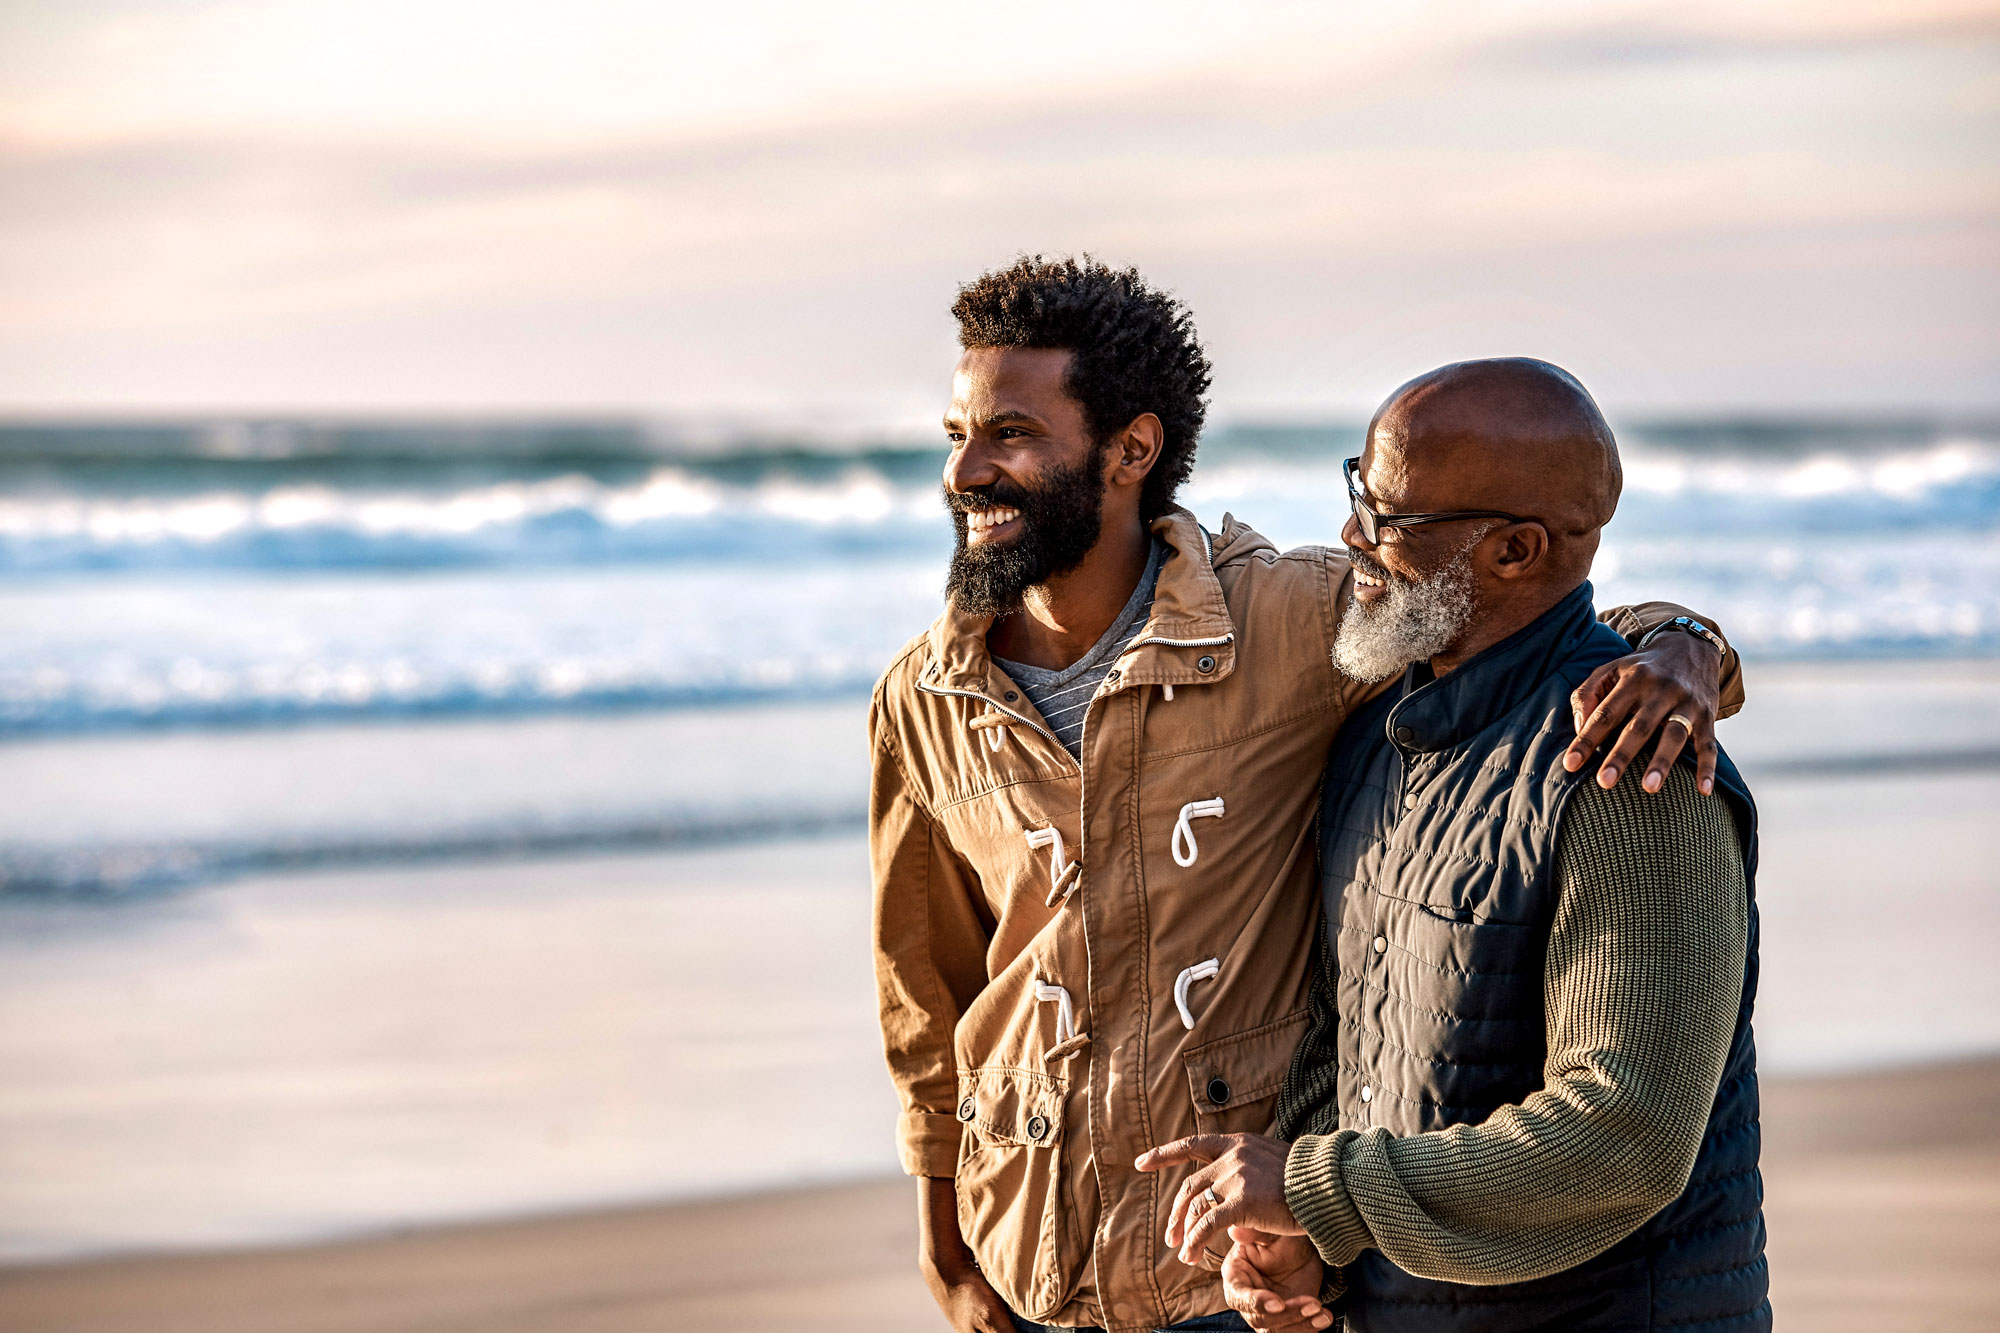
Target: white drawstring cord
1184, 832
1065, 1016
1188, 976
1167, 692
1062, 876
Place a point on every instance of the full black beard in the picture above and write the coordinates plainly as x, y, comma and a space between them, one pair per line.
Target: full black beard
1060, 523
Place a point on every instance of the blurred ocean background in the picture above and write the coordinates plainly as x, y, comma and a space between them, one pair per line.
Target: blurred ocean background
451, 819
462, 467
198, 576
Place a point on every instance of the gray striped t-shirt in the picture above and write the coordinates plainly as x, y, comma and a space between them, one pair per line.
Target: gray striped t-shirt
1063, 697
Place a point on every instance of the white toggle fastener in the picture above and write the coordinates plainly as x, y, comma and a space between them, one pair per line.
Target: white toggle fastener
1188, 976
994, 723
1065, 1015
1184, 832
1058, 866
1167, 693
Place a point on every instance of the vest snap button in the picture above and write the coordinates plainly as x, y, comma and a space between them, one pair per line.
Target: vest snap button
1367, 1093
1205, 664
1010, 696
1112, 675
1410, 801
1405, 735
1218, 1090
1381, 945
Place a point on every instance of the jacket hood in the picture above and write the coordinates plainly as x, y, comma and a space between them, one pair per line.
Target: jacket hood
1234, 543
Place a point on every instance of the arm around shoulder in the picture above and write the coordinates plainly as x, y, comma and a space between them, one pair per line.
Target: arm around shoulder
1640, 619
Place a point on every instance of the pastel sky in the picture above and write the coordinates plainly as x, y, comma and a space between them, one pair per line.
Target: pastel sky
760, 209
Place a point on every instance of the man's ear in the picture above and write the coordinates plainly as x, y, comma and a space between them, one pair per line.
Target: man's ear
1135, 449
1521, 549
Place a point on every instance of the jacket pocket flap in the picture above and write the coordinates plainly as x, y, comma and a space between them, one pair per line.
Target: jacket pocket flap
1018, 1106
1245, 1066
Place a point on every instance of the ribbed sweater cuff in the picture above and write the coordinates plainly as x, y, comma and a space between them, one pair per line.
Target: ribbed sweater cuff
1318, 1197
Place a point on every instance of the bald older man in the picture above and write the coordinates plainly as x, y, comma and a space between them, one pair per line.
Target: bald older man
1528, 1095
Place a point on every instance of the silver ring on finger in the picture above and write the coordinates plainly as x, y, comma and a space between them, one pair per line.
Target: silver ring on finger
1210, 1199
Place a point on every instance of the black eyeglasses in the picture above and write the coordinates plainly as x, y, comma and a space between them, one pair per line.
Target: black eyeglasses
1372, 523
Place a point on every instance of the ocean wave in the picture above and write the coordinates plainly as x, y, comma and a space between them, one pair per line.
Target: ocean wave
626, 581
222, 650
375, 508
668, 515
130, 869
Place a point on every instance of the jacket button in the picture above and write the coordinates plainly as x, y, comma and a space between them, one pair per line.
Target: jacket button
1038, 1128
1381, 945
1367, 1093
1010, 696
1405, 735
1410, 801
1218, 1090
1205, 664
967, 1109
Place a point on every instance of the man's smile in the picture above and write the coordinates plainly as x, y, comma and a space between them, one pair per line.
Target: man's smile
985, 525
1367, 587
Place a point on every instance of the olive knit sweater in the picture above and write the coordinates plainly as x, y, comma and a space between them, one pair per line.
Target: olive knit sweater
1643, 977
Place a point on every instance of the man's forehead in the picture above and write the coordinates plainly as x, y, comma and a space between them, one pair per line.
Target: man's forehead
1385, 467
997, 380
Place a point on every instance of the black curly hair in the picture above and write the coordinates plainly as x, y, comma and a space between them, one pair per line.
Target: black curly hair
1134, 350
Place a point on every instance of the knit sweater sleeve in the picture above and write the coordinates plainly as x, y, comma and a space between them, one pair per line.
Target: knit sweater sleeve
1643, 978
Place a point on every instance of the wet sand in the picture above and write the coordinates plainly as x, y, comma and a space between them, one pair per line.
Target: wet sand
1884, 1207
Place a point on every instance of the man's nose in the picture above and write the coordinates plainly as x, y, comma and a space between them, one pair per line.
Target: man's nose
969, 465
1350, 533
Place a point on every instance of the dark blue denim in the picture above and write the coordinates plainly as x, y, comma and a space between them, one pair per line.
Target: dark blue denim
1227, 1322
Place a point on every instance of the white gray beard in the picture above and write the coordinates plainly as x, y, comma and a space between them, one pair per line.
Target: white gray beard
1419, 619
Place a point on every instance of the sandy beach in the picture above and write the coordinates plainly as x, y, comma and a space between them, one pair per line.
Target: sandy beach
1883, 1202
312, 1099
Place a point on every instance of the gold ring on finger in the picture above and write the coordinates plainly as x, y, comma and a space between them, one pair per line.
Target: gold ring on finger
1681, 718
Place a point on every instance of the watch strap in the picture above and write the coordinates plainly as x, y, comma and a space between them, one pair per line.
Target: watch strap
1686, 625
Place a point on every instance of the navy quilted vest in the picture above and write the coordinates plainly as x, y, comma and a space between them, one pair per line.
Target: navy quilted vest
1439, 828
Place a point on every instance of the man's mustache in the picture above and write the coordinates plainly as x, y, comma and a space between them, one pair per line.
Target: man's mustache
973, 500
1370, 566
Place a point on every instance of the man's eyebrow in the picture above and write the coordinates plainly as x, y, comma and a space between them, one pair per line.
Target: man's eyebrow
994, 421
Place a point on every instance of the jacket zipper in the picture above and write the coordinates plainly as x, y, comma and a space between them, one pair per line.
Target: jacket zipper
1000, 707
1216, 642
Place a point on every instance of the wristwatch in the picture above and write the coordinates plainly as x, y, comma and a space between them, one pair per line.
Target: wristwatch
1686, 625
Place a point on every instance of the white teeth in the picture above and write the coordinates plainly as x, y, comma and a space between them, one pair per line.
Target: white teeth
978, 520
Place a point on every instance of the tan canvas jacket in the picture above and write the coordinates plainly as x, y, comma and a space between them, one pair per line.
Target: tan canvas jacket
1076, 964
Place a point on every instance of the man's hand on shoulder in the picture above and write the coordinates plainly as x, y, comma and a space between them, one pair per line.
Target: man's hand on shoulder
1671, 688
1274, 1281
969, 1303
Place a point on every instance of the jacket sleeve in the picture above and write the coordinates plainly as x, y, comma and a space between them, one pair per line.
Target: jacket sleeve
930, 956
1634, 621
1643, 977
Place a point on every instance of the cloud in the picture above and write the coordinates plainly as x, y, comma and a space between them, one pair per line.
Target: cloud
192, 254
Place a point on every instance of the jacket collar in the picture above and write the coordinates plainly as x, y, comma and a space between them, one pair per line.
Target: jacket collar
1439, 713
1190, 621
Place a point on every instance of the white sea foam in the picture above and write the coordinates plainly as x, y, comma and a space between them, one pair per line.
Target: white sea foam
487, 585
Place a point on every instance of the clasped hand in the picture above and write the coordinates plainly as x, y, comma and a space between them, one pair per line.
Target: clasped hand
1271, 1274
